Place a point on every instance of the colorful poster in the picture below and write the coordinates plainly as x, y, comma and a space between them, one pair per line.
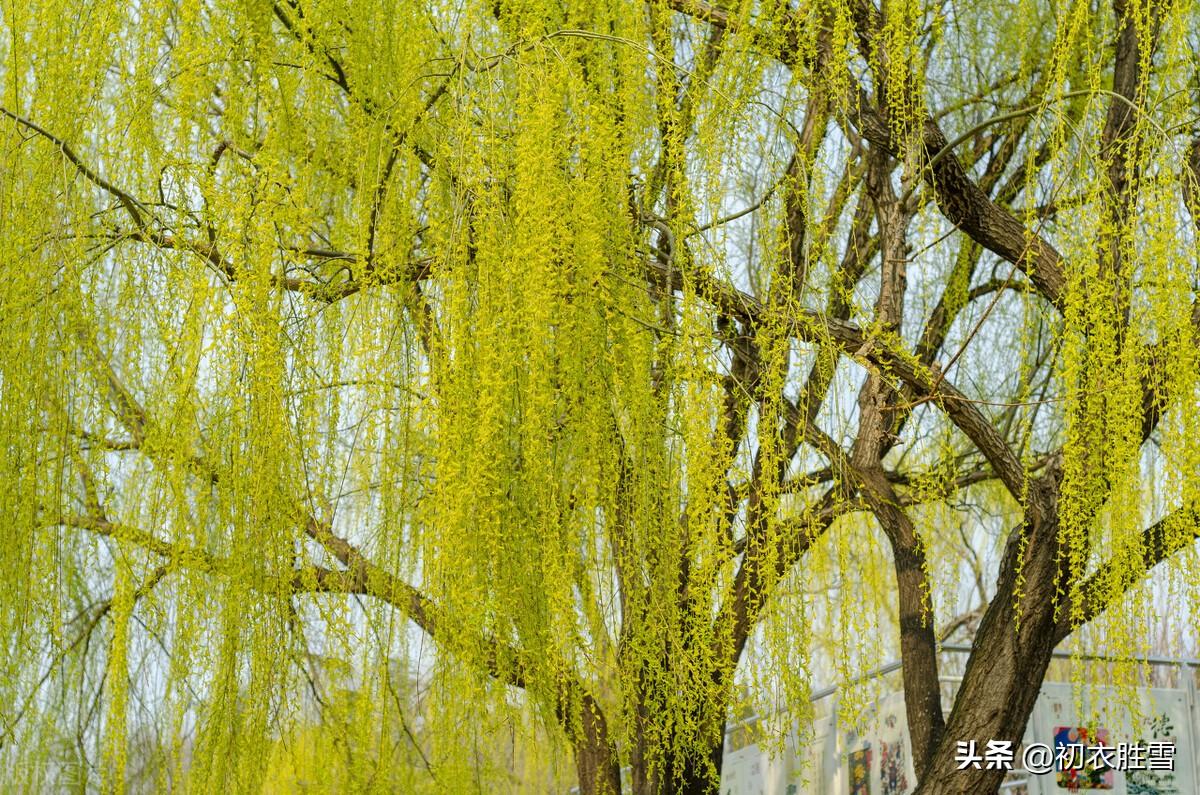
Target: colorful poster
892, 775
860, 772
1085, 775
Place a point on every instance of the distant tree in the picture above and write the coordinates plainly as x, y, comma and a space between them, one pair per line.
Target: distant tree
590, 340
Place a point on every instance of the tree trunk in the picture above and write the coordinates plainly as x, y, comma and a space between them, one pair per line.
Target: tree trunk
694, 778
690, 776
597, 766
1004, 674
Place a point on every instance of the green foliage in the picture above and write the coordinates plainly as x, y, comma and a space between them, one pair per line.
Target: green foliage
436, 332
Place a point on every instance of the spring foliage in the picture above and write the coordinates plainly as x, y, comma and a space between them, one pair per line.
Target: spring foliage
525, 367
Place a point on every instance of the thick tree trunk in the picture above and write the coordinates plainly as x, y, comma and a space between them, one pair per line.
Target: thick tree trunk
1013, 648
698, 782
690, 776
597, 766
676, 776
995, 705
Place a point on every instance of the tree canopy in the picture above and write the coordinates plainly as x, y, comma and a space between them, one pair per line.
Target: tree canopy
589, 368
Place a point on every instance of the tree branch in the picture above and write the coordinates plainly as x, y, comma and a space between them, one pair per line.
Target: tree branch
1114, 577
131, 205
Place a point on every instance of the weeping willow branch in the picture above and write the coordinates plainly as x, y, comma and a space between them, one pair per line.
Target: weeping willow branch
359, 577
584, 342
96, 614
1113, 578
132, 206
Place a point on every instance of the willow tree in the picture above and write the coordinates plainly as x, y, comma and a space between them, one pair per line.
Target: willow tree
579, 339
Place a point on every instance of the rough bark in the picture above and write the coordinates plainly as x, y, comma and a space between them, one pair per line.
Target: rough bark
1013, 646
596, 764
